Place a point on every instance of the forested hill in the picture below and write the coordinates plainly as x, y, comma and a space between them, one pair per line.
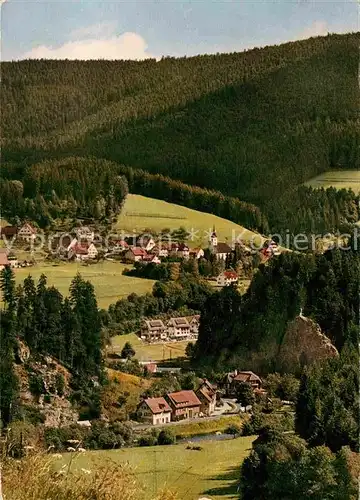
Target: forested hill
253, 125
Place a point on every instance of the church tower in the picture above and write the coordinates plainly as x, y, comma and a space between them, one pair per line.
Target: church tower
213, 239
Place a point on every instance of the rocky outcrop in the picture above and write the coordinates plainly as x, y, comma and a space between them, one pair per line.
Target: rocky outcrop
303, 344
53, 403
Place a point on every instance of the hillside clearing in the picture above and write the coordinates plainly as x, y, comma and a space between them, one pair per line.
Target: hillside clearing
339, 179
149, 352
213, 471
109, 283
141, 213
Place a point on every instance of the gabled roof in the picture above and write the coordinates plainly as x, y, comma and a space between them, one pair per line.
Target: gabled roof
180, 322
247, 377
157, 405
183, 399
155, 324
3, 259
230, 275
138, 251
223, 248
9, 231
28, 226
120, 243
80, 249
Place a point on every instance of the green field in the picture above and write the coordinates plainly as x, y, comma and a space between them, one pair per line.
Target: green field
212, 472
141, 213
110, 285
148, 352
341, 179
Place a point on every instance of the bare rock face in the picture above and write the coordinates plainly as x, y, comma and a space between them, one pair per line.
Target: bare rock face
304, 344
22, 352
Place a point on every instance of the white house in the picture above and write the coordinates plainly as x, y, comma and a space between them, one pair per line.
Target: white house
83, 251
84, 233
145, 242
178, 328
161, 250
227, 278
153, 330
155, 411
183, 251
197, 253
27, 232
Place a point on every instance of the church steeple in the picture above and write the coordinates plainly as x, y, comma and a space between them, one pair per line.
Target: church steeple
213, 238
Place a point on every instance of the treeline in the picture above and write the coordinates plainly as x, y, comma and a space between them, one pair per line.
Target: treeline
68, 329
71, 187
248, 330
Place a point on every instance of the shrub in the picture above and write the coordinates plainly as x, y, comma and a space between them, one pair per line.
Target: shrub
166, 437
148, 440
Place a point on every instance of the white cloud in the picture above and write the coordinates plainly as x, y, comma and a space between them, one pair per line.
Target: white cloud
317, 28
126, 46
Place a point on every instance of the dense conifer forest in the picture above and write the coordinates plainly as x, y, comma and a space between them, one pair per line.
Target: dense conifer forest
253, 125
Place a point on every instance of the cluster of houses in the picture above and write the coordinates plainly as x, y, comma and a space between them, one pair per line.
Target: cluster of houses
202, 402
173, 329
179, 405
27, 232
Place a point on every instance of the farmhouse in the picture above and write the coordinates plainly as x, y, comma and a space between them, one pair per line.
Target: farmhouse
227, 278
184, 404
155, 411
153, 330
27, 232
178, 328
160, 250
197, 253
145, 242
83, 251
207, 396
151, 259
232, 380
3, 258
118, 246
8, 232
84, 233
220, 250
135, 254
183, 251
194, 322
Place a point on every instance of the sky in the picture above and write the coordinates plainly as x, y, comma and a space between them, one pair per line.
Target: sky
89, 29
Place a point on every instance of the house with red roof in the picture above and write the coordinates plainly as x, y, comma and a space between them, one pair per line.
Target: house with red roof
83, 251
151, 259
233, 379
206, 393
4, 261
184, 405
155, 411
135, 254
227, 278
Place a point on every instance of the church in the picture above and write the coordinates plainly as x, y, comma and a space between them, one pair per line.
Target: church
221, 250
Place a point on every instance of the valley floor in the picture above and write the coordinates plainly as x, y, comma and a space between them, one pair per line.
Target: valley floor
212, 472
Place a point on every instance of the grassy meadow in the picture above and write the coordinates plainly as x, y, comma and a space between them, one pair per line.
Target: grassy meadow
109, 283
212, 472
339, 179
141, 213
149, 352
